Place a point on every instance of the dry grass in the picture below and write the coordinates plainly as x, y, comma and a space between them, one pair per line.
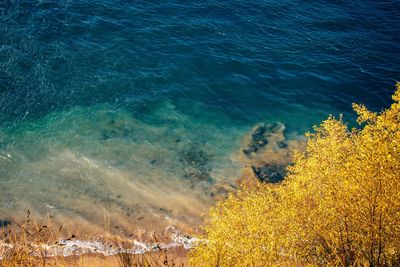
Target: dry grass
27, 244
24, 244
157, 258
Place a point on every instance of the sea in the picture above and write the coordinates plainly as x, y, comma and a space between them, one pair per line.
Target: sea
132, 116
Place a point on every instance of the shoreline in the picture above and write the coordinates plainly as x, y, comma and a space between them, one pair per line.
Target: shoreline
110, 250
265, 152
78, 247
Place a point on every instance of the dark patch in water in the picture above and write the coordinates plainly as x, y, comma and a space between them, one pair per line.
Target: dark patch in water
282, 144
268, 151
261, 135
258, 140
270, 173
105, 136
196, 164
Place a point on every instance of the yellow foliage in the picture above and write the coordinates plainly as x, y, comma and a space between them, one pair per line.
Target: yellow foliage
338, 206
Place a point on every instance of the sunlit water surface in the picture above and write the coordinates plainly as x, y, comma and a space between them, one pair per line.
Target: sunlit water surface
135, 112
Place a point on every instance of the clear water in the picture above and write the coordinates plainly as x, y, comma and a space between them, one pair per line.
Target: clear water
135, 110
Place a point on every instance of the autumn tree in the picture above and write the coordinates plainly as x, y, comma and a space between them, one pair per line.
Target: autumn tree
339, 204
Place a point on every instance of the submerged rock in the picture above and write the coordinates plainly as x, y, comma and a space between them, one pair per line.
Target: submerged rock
258, 140
270, 173
196, 164
263, 135
267, 152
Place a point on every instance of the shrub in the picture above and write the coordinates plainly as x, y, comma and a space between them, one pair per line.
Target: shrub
338, 205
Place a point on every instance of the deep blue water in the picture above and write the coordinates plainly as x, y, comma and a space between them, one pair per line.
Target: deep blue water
131, 86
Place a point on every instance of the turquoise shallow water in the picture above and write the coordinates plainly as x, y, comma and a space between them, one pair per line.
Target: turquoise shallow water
137, 110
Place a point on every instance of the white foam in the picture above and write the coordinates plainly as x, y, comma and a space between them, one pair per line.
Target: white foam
65, 247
